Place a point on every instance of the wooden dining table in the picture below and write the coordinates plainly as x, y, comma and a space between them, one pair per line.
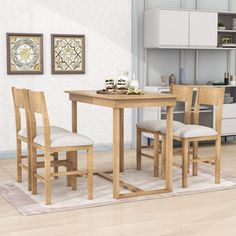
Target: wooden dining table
118, 103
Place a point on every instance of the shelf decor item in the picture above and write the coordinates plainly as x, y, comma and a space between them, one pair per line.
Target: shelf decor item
232, 80
172, 79
221, 26
24, 53
226, 40
226, 78
68, 54
164, 80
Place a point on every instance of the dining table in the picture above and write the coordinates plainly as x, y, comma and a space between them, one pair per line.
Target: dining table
118, 102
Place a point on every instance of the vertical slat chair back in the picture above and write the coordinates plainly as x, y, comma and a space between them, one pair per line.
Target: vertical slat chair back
20, 100
184, 93
212, 97
37, 104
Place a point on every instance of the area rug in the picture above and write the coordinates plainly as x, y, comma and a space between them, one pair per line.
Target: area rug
63, 198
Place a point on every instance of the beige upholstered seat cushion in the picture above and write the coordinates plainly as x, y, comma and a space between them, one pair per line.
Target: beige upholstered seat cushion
54, 129
64, 139
158, 125
193, 131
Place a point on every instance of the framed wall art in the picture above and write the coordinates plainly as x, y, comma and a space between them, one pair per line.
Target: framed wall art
68, 54
24, 53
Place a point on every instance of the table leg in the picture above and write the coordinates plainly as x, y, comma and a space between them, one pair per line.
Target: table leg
122, 140
169, 147
117, 149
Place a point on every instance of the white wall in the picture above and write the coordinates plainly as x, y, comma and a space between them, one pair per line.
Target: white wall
107, 26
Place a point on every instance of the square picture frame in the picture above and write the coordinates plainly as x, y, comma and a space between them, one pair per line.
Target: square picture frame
68, 53
24, 53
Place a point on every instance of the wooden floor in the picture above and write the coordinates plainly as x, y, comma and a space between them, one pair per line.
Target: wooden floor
199, 214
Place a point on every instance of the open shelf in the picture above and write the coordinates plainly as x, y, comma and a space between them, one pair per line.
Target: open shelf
227, 31
227, 13
227, 36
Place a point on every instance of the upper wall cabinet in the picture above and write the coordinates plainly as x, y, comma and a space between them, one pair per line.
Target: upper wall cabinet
203, 29
165, 28
179, 29
173, 28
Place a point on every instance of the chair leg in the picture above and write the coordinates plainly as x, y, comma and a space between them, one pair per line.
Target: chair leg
48, 184
19, 160
68, 168
55, 159
29, 160
34, 170
138, 148
195, 156
185, 151
217, 161
156, 154
163, 157
189, 148
74, 162
90, 172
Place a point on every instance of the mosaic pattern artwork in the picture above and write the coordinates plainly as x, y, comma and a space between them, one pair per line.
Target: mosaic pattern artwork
24, 54
68, 54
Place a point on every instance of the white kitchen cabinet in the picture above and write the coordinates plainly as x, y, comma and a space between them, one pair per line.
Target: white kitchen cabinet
166, 28
173, 28
229, 119
151, 113
228, 127
229, 111
203, 29
180, 29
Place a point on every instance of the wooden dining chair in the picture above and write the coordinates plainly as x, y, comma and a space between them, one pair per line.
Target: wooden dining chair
21, 102
183, 94
20, 99
187, 134
50, 142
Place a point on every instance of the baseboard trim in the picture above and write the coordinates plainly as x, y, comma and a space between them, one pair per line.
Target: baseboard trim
97, 148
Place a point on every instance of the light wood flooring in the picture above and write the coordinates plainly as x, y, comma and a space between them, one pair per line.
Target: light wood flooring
202, 214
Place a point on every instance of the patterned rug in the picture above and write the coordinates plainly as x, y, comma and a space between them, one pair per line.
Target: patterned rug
63, 198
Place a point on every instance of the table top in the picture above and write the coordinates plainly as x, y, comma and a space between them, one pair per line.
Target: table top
121, 100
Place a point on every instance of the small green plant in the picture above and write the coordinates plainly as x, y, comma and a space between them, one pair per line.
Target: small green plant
226, 40
221, 24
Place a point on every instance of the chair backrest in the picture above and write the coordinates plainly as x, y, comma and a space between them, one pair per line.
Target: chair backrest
184, 93
37, 104
210, 96
20, 100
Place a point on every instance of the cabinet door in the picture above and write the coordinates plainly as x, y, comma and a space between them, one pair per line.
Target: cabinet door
203, 29
228, 127
151, 113
173, 28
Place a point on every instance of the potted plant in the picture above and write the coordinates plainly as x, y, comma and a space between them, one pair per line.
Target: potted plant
221, 26
226, 40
